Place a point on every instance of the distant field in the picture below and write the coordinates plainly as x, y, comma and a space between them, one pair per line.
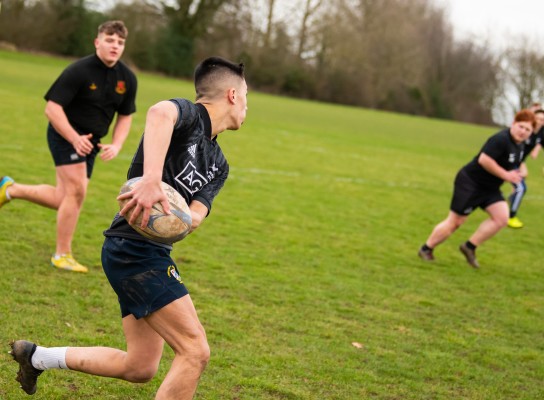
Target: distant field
310, 247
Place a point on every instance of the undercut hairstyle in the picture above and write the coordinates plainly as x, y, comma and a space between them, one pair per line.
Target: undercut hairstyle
114, 27
213, 74
525, 115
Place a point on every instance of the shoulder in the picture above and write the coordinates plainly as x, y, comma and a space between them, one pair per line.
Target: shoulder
125, 69
85, 62
501, 136
187, 110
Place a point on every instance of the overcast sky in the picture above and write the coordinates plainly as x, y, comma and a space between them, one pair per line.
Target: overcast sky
497, 20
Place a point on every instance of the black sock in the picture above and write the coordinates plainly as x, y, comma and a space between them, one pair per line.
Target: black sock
426, 248
470, 245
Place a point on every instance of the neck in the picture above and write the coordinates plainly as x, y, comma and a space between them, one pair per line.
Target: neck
218, 118
107, 64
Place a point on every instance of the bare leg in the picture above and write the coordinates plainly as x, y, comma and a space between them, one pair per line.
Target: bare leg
43, 195
67, 198
73, 179
445, 229
498, 218
178, 324
138, 364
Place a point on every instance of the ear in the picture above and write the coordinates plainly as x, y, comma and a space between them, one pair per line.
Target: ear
231, 95
95, 43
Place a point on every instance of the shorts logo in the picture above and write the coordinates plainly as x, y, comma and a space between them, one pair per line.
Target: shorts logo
74, 156
173, 272
468, 210
121, 88
191, 179
92, 86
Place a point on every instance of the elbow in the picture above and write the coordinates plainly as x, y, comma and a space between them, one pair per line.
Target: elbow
51, 110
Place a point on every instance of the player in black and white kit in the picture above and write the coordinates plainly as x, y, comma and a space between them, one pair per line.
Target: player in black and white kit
81, 105
195, 166
180, 147
478, 184
532, 147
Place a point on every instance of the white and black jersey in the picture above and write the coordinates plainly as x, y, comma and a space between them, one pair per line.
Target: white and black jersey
501, 148
194, 165
530, 144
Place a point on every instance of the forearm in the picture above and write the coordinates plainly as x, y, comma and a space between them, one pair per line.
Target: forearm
491, 166
198, 213
121, 130
523, 170
536, 150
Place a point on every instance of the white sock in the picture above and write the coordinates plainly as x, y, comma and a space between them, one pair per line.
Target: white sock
49, 357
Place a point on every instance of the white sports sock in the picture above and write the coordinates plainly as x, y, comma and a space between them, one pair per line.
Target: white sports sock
49, 358
7, 194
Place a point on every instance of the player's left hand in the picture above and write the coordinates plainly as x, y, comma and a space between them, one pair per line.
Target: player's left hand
109, 151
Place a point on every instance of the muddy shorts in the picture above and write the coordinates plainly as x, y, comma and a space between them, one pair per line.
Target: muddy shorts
143, 275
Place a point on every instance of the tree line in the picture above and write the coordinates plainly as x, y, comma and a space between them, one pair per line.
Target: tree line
397, 55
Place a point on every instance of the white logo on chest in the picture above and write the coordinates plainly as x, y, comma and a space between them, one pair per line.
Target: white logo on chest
192, 150
191, 179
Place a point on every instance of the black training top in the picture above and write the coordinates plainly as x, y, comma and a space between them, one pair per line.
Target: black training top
501, 148
194, 165
530, 144
90, 93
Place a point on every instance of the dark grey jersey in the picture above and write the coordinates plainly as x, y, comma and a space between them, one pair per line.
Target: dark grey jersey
194, 165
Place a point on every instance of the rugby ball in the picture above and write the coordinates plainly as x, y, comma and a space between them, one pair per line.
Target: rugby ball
161, 227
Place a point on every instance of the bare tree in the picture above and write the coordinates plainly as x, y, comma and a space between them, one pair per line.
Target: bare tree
523, 74
309, 9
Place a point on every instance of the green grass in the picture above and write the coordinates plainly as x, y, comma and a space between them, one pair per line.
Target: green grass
310, 246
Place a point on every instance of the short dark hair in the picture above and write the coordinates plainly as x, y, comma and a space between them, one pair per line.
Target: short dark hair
114, 27
213, 70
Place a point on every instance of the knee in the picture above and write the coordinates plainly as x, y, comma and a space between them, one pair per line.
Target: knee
454, 224
202, 356
199, 354
141, 374
501, 221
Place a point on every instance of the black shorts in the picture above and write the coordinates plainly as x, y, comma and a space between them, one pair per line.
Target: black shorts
143, 275
468, 195
64, 153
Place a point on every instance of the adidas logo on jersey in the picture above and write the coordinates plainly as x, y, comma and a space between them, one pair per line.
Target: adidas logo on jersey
192, 150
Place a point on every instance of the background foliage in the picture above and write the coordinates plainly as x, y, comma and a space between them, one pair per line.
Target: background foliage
389, 54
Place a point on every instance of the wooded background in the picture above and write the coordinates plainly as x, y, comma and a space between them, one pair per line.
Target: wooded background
397, 55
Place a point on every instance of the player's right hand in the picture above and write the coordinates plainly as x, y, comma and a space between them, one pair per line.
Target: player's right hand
83, 144
514, 176
142, 197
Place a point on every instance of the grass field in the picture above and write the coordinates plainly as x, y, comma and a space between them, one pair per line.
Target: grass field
311, 246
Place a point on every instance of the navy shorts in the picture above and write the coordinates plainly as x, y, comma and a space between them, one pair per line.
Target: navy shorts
64, 153
143, 275
468, 195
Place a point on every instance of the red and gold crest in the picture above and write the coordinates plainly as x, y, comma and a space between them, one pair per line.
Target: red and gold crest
121, 87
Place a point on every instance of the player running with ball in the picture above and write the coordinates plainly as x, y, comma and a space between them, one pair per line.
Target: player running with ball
179, 147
